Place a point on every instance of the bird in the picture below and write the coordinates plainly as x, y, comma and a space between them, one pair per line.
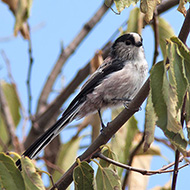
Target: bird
117, 80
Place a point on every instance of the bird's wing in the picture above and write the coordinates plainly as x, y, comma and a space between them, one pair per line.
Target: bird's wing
101, 73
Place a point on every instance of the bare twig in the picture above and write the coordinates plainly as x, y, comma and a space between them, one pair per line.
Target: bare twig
165, 142
142, 171
66, 54
53, 166
156, 36
176, 169
23, 112
29, 78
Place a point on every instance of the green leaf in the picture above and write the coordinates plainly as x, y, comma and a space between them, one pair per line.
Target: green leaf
148, 7
4, 134
10, 176
163, 96
106, 178
135, 21
187, 111
177, 72
83, 176
12, 100
108, 153
67, 155
32, 178
156, 83
185, 53
124, 138
121, 4
165, 31
150, 123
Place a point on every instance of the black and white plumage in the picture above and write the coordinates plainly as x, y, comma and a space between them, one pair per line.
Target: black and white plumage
115, 82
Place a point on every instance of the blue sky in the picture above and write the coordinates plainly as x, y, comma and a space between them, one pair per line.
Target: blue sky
61, 21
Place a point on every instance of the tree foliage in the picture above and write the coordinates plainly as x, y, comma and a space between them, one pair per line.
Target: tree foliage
167, 108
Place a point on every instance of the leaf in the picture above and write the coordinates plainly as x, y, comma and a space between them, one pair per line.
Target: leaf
124, 138
67, 155
165, 31
148, 7
12, 100
150, 123
156, 83
106, 178
187, 111
181, 8
162, 98
177, 71
136, 180
32, 178
4, 134
96, 61
21, 10
135, 21
108, 153
83, 176
121, 4
10, 176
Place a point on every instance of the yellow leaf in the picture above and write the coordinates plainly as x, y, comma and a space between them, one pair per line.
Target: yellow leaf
148, 7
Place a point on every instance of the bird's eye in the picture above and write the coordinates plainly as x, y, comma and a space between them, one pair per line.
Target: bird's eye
128, 42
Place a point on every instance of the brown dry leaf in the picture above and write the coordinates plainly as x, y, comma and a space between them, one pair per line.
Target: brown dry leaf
96, 61
148, 8
137, 180
181, 8
21, 11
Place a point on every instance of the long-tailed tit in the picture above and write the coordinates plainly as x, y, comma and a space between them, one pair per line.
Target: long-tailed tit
114, 83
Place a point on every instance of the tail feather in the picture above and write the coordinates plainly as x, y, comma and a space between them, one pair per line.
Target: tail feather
50, 134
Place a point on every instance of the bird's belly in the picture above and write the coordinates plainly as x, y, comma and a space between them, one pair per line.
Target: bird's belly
114, 90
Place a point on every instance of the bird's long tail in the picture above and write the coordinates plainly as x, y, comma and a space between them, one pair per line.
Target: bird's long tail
50, 134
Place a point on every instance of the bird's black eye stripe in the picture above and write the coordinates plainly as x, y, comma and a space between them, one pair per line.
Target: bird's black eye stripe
128, 42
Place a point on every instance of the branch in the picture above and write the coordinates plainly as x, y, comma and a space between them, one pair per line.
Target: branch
29, 77
142, 171
107, 133
68, 51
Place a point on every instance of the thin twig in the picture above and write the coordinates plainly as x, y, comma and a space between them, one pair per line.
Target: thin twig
142, 171
176, 169
156, 36
23, 111
29, 78
165, 142
53, 166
